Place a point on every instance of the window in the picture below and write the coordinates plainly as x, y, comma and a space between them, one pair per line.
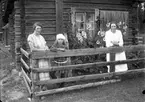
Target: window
83, 21
80, 21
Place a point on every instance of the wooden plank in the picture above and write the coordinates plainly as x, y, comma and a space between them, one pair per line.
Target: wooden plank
112, 58
43, 26
22, 17
38, 10
27, 85
66, 18
17, 11
25, 53
45, 23
17, 41
87, 65
17, 18
89, 77
17, 34
17, 29
33, 4
25, 64
16, 5
49, 43
43, 29
99, 6
75, 87
29, 25
26, 76
114, 2
50, 37
83, 52
43, 0
17, 23
40, 17
84, 9
59, 16
43, 32
66, 10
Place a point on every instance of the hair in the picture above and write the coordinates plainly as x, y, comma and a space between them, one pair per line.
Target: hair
113, 22
36, 24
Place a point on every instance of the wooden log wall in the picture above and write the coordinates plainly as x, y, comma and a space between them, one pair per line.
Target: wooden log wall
0, 16
120, 5
17, 30
44, 12
11, 34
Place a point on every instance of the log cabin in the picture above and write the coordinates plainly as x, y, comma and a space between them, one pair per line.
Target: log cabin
64, 16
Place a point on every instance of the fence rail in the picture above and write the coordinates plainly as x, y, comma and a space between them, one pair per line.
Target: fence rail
83, 52
36, 55
86, 65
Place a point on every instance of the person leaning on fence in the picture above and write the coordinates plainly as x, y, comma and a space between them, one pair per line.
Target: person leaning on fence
113, 37
60, 45
37, 42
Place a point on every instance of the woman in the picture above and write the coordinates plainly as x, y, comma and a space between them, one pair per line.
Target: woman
37, 42
113, 37
60, 44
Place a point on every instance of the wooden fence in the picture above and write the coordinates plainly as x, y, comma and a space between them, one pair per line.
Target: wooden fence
35, 55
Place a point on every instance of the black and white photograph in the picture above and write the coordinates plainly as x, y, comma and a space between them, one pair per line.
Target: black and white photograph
72, 50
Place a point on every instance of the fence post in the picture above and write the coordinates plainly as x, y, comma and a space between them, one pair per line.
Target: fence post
144, 50
112, 58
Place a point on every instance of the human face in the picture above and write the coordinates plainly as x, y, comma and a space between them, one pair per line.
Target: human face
60, 41
113, 27
38, 30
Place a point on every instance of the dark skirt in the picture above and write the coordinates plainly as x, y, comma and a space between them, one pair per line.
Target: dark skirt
61, 73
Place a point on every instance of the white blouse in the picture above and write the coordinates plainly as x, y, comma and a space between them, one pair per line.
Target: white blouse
37, 41
110, 36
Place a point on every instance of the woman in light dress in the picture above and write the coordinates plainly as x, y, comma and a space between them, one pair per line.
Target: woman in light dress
37, 42
113, 37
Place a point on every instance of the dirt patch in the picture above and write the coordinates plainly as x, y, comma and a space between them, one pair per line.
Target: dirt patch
15, 95
12, 86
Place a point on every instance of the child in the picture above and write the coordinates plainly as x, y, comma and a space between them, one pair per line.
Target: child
60, 45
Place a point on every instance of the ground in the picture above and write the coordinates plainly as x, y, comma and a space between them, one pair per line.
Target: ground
13, 88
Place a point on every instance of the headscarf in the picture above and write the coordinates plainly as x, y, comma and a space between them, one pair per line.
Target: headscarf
60, 36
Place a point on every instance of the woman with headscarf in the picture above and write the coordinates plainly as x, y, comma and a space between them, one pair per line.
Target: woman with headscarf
37, 42
113, 37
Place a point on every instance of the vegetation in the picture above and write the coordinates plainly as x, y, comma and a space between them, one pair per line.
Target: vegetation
74, 43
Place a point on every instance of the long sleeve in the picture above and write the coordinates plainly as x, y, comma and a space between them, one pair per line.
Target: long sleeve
108, 39
30, 42
53, 47
45, 44
120, 39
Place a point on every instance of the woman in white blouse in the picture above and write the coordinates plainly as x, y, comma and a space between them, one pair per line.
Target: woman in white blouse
37, 42
113, 37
